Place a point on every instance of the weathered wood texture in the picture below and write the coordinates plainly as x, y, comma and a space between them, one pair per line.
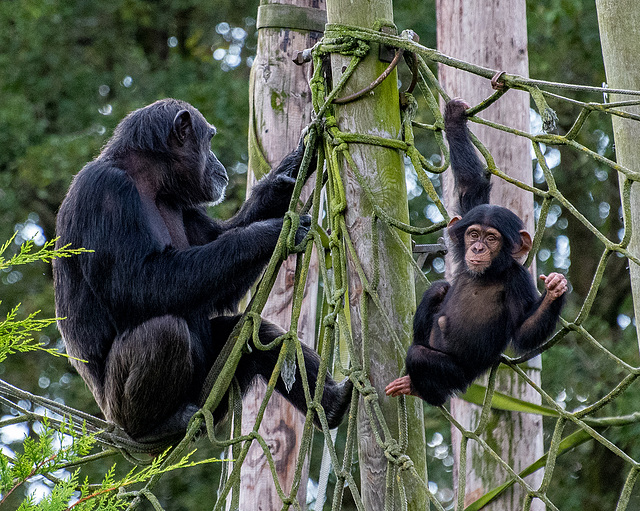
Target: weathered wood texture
494, 34
619, 22
378, 114
281, 110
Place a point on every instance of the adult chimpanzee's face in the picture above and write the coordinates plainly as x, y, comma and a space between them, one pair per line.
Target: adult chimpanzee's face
196, 174
215, 175
482, 246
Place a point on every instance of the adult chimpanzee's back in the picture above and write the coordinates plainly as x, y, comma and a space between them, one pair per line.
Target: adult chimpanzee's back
149, 310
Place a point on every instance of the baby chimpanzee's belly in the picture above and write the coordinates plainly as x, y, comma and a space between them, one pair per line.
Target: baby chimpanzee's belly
472, 321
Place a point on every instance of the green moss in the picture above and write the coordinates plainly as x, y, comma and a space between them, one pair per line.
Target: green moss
278, 100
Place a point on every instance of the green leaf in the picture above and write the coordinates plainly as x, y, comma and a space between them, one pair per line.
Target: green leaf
567, 444
475, 394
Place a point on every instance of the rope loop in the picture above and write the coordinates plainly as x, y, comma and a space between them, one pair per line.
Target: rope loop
290, 226
256, 321
341, 146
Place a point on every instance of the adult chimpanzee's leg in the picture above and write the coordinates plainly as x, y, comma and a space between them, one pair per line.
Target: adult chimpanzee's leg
336, 396
147, 374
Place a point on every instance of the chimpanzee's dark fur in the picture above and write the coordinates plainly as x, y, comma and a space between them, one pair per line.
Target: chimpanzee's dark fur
150, 310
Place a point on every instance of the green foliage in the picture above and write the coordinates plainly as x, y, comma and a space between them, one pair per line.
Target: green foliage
62, 446
109, 494
16, 335
46, 254
41, 456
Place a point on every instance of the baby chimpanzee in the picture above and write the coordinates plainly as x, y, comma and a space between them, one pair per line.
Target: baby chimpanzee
461, 328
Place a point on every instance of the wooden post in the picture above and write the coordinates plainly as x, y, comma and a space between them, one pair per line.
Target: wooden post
494, 34
281, 109
619, 22
377, 113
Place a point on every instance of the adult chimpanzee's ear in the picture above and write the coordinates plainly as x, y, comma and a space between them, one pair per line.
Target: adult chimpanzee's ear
525, 245
182, 125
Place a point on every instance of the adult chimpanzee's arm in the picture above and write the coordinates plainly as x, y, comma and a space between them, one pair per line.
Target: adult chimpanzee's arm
541, 322
136, 276
175, 281
200, 228
271, 195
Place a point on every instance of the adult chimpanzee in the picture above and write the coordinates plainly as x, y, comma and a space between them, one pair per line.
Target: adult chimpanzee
461, 328
147, 311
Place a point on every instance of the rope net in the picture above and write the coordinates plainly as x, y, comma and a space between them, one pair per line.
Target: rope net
347, 352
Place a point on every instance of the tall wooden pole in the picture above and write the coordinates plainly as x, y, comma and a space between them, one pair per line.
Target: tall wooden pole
493, 34
619, 22
377, 113
281, 109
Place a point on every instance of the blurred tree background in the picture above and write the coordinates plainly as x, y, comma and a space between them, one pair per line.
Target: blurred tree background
69, 71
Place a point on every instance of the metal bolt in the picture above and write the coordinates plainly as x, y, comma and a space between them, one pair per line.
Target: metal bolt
302, 56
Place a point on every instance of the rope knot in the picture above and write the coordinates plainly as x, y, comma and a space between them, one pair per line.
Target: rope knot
392, 451
363, 385
347, 45
338, 207
338, 295
330, 319
330, 122
395, 455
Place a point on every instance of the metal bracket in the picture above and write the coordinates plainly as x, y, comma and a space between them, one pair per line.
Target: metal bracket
425, 250
386, 53
303, 56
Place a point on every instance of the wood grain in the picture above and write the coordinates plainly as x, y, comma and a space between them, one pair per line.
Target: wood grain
281, 110
494, 34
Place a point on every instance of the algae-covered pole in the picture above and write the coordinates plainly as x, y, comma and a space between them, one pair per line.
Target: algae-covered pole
494, 34
619, 22
383, 259
280, 110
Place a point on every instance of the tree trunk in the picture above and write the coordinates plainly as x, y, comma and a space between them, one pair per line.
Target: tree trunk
377, 113
619, 22
281, 109
494, 34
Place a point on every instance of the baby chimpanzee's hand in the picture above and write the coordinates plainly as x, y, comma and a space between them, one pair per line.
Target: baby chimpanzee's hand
556, 285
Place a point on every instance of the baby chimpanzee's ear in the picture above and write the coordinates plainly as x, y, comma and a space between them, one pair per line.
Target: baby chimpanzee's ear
453, 221
525, 245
